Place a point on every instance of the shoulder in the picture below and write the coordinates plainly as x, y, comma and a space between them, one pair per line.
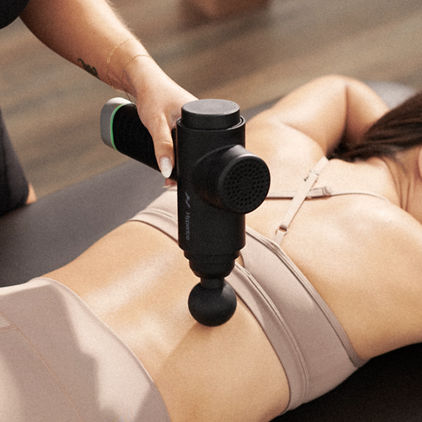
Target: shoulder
395, 223
393, 239
288, 152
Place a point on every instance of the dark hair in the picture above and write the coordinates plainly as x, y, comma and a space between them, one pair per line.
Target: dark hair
398, 130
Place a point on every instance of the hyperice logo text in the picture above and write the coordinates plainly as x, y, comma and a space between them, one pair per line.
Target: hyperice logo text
187, 216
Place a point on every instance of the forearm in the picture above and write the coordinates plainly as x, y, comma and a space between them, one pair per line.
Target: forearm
330, 110
89, 34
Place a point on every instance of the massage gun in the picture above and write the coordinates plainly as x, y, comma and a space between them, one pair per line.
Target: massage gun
218, 183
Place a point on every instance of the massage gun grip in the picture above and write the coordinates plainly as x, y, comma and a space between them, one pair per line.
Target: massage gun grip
132, 138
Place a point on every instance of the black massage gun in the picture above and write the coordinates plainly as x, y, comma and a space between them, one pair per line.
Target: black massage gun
218, 183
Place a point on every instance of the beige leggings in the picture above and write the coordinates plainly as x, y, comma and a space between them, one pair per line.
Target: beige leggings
58, 362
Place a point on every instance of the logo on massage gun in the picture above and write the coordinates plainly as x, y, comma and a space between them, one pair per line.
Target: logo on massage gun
187, 216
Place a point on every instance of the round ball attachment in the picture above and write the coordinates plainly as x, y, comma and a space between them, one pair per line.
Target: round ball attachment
212, 306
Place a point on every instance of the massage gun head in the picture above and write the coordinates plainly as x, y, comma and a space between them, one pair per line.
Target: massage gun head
223, 173
232, 179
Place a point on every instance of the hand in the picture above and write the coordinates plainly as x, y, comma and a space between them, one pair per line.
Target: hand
159, 101
32, 196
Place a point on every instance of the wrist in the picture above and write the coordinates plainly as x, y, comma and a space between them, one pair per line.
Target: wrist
138, 73
121, 61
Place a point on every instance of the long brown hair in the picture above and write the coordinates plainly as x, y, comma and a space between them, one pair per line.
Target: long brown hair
397, 130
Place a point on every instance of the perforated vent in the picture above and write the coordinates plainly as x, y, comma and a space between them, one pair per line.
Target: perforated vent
246, 185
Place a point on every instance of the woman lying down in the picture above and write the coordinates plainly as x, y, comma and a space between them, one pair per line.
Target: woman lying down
330, 278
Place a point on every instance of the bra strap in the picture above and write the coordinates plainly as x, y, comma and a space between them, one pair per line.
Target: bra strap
301, 194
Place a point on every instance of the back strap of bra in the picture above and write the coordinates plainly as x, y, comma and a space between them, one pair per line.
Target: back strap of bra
301, 194
306, 191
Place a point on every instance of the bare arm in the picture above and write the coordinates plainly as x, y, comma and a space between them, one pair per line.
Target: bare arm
330, 109
89, 34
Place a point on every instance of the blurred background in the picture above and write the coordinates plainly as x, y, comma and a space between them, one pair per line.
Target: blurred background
51, 107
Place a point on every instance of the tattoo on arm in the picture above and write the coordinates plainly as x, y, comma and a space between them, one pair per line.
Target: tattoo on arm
88, 68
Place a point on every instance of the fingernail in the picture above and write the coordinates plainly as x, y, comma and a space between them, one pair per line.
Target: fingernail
166, 166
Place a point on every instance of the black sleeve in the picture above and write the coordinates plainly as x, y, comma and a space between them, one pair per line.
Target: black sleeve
10, 10
13, 183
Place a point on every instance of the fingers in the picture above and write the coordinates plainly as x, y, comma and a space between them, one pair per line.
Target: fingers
166, 166
163, 146
169, 183
32, 197
159, 110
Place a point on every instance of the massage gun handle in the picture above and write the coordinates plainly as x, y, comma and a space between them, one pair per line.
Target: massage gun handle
122, 129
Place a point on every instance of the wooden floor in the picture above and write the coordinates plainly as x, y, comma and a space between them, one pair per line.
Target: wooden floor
52, 108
